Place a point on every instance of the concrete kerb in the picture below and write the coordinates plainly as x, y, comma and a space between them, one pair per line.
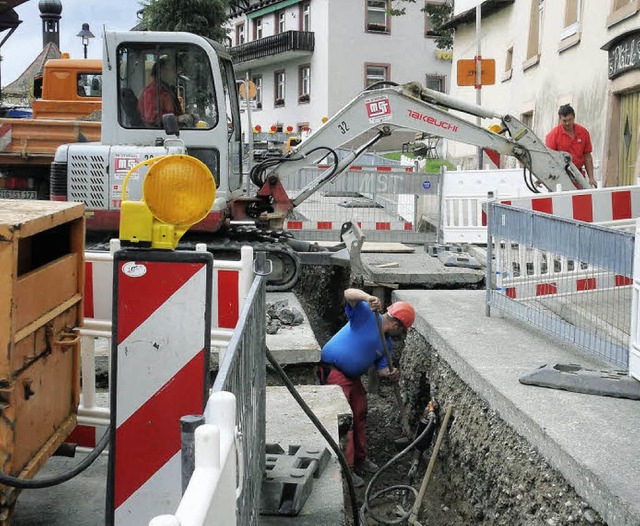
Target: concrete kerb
589, 439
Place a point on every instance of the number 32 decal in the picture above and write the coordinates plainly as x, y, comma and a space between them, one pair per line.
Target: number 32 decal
343, 127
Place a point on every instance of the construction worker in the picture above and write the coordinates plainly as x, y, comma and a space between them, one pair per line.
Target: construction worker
568, 136
348, 355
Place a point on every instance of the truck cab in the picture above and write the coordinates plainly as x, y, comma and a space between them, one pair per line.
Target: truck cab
147, 75
68, 89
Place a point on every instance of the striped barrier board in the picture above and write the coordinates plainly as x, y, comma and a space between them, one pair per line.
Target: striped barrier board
230, 285
395, 168
159, 368
336, 225
520, 289
602, 205
98, 281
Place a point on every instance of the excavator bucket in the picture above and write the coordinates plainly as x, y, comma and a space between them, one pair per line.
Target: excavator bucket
353, 238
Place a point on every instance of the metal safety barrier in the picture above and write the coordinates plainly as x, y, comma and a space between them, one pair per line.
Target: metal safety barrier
380, 199
634, 340
563, 276
242, 372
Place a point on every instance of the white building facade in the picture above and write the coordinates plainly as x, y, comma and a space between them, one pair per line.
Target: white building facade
308, 58
552, 52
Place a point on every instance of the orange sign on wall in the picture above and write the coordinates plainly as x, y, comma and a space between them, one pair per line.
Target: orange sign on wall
467, 72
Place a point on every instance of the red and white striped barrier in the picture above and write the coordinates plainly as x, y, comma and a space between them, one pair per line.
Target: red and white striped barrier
230, 286
381, 169
602, 205
160, 373
336, 225
231, 283
539, 287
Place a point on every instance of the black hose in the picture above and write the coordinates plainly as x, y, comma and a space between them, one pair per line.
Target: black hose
528, 181
16, 482
381, 83
336, 448
258, 172
405, 487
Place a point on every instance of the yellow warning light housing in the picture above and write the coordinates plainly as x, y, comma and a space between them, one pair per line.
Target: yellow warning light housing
495, 128
177, 192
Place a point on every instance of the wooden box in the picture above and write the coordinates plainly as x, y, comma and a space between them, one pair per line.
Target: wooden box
41, 281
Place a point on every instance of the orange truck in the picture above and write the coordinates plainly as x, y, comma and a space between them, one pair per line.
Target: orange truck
65, 97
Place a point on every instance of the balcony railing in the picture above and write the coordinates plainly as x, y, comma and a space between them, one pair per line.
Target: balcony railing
273, 45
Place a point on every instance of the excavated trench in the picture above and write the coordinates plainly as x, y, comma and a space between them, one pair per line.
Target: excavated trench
485, 473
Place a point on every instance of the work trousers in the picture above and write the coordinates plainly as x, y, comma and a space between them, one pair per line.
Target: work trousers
356, 448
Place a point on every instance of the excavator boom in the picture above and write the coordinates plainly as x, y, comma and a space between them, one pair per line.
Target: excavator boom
380, 112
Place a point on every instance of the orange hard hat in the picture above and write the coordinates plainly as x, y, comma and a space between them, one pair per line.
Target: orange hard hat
403, 312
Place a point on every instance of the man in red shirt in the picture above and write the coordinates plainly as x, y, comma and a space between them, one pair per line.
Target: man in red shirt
574, 139
160, 97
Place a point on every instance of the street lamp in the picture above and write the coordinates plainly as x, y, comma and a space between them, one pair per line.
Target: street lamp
85, 35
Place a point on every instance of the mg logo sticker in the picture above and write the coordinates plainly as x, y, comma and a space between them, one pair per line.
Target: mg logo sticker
378, 109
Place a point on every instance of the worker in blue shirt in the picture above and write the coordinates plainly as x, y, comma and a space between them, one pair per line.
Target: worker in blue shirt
348, 355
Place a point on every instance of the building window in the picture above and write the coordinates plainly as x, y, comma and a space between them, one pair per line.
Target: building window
258, 83
436, 82
304, 83
376, 73
280, 22
428, 26
572, 16
240, 34
508, 64
535, 31
622, 10
257, 29
377, 20
305, 17
280, 80
527, 119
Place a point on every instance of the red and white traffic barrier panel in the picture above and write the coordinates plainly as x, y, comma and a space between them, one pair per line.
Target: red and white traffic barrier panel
230, 286
602, 205
558, 285
337, 225
385, 169
160, 368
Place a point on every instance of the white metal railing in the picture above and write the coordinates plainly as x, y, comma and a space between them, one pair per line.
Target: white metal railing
95, 332
456, 208
210, 497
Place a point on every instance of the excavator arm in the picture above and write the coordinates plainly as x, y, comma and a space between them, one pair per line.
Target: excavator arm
378, 113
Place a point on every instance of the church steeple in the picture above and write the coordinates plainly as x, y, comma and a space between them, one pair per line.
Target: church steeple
50, 13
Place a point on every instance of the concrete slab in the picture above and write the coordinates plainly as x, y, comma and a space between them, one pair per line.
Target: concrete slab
418, 268
287, 424
293, 344
591, 440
